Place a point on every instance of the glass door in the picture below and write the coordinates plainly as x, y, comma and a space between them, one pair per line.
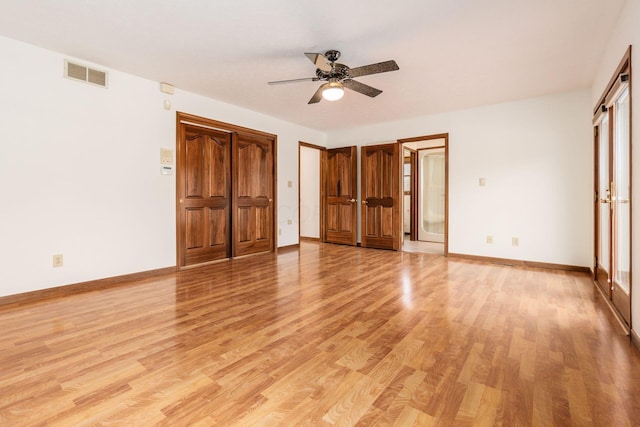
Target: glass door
431, 195
621, 207
612, 210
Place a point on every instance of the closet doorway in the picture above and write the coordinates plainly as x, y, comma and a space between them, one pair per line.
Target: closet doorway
225, 190
425, 200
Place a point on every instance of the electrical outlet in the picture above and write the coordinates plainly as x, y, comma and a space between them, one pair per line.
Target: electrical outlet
482, 182
515, 241
279, 231
489, 239
57, 261
289, 222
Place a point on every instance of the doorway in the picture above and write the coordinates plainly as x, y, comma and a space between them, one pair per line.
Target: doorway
612, 202
425, 202
309, 191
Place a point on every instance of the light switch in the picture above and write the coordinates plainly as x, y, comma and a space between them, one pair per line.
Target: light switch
482, 182
289, 184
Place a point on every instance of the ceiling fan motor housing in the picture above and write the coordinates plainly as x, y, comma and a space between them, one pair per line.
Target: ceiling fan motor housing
339, 72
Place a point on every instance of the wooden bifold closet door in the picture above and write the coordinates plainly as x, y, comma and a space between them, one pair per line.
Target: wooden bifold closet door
204, 195
225, 186
252, 194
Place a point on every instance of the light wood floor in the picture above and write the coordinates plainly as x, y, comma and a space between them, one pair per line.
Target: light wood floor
328, 334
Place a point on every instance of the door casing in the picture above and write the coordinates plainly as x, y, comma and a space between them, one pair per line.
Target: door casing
414, 208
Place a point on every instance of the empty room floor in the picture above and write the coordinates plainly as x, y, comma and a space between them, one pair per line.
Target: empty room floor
320, 335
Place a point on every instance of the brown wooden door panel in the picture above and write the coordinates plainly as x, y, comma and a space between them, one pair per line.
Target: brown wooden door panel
263, 223
386, 222
380, 193
244, 225
203, 187
195, 221
195, 159
346, 220
371, 221
340, 186
218, 231
253, 194
332, 217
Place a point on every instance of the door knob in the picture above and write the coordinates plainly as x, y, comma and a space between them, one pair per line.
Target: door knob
364, 202
352, 200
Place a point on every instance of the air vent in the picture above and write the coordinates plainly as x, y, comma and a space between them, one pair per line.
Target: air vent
88, 75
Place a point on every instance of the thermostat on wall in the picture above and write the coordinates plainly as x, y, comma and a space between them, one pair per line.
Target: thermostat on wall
166, 169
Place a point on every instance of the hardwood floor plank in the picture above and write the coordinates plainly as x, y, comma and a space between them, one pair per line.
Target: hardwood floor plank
323, 335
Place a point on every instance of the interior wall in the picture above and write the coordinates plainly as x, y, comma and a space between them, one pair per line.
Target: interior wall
627, 32
309, 192
536, 158
80, 171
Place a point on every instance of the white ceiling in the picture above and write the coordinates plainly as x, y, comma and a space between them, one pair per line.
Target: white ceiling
452, 54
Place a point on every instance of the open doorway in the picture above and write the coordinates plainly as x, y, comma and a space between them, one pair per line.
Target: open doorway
309, 191
425, 200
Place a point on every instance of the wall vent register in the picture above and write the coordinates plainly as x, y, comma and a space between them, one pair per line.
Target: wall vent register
85, 74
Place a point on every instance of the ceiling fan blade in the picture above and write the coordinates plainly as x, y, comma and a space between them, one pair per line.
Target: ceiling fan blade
316, 96
305, 79
319, 61
361, 88
380, 67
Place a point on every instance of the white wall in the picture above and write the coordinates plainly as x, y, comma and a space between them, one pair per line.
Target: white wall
536, 158
80, 171
309, 192
627, 32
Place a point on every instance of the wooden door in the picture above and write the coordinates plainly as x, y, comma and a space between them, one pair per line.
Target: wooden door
340, 188
253, 194
380, 194
203, 190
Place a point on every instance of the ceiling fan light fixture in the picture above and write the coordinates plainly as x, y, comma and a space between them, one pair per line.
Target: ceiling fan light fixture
333, 90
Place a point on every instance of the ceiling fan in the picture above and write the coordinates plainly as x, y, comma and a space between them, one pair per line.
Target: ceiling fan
338, 76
